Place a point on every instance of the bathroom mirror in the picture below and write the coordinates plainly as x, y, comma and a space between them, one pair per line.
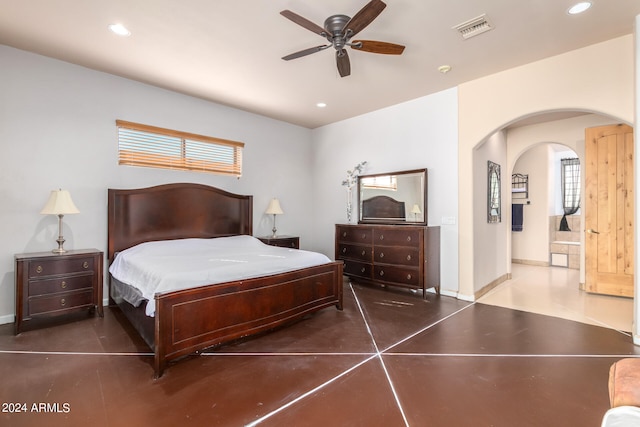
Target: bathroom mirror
493, 192
393, 198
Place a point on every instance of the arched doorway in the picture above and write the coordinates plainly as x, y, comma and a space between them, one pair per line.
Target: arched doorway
531, 141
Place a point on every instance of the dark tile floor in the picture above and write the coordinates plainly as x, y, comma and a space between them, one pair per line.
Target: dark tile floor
389, 359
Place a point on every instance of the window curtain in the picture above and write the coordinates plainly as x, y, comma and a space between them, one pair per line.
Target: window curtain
570, 189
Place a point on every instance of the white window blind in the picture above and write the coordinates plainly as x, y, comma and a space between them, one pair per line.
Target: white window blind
150, 146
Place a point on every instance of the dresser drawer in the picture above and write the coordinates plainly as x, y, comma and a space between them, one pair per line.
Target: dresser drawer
354, 235
399, 275
52, 267
354, 252
397, 236
59, 302
61, 284
360, 269
397, 255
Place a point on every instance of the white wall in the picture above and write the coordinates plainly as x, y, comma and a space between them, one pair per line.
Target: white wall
579, 80
532, 243
412, 135
490, 243
57, 130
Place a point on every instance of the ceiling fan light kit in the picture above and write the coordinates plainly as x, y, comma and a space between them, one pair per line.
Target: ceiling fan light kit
339, 31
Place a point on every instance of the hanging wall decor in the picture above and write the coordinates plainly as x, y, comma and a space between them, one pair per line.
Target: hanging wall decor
493, 193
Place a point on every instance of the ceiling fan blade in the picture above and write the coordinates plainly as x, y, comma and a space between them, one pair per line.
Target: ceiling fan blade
378, 47
304, 22
343, 63
364, 17
305, 52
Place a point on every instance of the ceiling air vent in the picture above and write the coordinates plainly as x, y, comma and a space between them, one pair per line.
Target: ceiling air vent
473, 27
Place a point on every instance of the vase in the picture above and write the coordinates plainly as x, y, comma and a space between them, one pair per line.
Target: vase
349, 207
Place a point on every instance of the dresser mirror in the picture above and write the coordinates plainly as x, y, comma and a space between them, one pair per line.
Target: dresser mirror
393, 198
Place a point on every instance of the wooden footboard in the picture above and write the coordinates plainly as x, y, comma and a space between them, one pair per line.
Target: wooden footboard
191, 320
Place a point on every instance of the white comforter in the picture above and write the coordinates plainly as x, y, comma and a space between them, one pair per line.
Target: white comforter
166, 266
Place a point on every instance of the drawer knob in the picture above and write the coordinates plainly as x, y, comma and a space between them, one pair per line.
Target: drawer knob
39, 269
381, 254
408, 276
362, 270
408, 238
63, 285
382, 237
85, 264
364, 252
344, 250
382, 272
344, 234
364, 236
63, 302
408, 257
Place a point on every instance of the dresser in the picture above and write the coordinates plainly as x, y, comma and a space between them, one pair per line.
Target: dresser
51, 286
395, 255
282, 241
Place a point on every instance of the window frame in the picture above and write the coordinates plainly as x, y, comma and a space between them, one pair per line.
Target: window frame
209, 161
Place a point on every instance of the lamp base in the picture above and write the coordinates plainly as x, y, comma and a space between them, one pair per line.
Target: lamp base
60, 249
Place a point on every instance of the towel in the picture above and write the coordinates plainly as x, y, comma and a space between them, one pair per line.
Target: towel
516, 217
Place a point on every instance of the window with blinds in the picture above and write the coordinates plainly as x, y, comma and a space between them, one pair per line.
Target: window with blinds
150, 146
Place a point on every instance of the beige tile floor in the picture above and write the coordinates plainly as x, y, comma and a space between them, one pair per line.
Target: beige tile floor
554, 291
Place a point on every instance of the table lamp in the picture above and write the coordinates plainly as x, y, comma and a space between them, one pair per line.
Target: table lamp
415, 210
60, 204
274, 209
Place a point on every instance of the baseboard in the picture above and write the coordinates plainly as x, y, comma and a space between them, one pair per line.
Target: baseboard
10, 318
485, 289
530, 262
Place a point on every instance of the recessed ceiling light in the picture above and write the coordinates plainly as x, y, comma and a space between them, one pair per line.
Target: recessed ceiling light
120, 30
321, 105
579, 7
444, 69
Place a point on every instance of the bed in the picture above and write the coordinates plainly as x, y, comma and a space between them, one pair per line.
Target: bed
189, 320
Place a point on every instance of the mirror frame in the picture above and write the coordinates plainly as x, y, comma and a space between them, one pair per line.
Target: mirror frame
424, 191
494, 193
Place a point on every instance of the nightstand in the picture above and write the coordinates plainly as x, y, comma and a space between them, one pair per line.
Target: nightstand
282, 241
50, 286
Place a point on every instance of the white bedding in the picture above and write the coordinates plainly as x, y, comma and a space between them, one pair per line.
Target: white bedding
166, 266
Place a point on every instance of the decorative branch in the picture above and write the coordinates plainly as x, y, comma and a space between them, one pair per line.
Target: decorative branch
352, 175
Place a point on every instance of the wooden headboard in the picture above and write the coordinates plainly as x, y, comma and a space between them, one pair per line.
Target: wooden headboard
383, 207
175, 211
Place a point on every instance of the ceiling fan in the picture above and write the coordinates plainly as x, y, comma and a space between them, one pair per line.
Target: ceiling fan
339, 29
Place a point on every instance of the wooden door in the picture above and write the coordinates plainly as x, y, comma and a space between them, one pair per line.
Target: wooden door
609, 211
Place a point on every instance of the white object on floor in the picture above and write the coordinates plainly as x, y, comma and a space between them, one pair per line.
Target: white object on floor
622, 416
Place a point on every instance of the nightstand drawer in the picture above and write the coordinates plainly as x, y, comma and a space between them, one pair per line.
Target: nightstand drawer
62, 284
292, 242
52, 267
59, 302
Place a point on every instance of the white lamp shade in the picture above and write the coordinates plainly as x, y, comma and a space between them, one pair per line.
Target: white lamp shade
416, 209
274, 208
59, 203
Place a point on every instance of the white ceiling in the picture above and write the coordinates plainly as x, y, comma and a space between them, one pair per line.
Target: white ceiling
230, 52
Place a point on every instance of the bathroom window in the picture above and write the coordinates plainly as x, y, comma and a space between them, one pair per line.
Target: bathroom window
570, 189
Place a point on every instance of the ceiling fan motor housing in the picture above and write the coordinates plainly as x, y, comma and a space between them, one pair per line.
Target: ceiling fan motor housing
336, 32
